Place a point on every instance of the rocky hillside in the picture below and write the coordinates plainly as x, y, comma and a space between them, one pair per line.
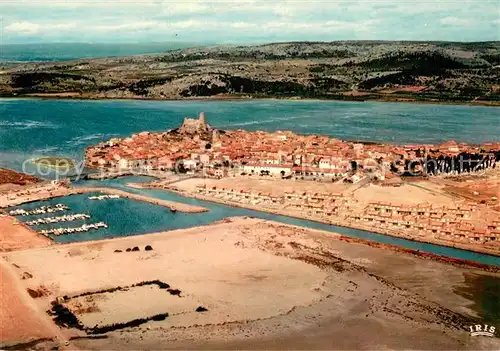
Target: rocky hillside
360, 70
10, 177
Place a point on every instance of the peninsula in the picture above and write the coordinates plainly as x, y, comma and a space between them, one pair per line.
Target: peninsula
440, 72
243, 282
446, 194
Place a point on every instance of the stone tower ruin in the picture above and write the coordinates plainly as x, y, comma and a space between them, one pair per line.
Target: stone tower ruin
202, 119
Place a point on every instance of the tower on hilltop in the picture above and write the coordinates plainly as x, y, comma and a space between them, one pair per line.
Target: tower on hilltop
202, 119
195, 126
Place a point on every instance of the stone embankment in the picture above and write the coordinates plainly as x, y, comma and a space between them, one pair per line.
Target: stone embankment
175, 206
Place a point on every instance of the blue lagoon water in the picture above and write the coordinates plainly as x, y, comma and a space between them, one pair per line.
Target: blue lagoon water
31, 128
127, 217
124, 217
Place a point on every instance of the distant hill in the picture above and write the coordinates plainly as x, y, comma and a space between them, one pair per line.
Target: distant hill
347, 70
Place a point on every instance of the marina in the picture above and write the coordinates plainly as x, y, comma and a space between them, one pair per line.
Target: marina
83, 228
132, 211
252, 239
65, 218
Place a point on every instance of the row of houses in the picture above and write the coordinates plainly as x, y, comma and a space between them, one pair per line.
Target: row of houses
453, 223
424, 209
461, 232
243, 196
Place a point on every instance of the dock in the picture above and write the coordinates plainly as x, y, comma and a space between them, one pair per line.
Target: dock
65, 218
174, 206
63, 191
39, 210
81, 229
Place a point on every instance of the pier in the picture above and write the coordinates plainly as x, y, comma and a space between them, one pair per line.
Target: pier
60, 191
65, 218
81, 229
39, 210
175, 206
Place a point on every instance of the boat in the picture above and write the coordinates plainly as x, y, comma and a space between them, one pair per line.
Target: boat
80, 229
39, 210
104, 197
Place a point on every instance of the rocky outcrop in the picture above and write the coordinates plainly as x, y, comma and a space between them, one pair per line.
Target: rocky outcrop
194, 126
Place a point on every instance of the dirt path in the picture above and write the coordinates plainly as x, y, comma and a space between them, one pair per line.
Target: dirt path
25, 317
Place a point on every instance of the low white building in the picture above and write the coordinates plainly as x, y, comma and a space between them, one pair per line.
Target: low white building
189, 164
274, 170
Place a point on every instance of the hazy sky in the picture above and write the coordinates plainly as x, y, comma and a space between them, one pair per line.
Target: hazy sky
32, 21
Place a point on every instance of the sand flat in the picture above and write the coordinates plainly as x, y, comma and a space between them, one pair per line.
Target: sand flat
122, 306
15, 236
19, 322
274, 186
205, 263
266, 285
406, 194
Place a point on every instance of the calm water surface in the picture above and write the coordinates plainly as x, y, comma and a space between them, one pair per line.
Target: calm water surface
126, 217
484, 292
30, 127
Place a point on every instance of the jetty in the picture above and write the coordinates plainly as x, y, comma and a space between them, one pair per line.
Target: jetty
60, 191
65, 218
177, 206
83, 228
39, 210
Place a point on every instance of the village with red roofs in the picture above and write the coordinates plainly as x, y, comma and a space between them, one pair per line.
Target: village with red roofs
445, 194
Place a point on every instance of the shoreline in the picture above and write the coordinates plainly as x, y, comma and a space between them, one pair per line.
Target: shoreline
198, 209
64, 97
319, 283
15, 235
327, 234
319, 220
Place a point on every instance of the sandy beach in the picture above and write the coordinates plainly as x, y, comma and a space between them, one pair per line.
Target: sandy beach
20, 320
15, 236
265, 285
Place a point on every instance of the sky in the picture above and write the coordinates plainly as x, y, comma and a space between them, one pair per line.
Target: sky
241, 21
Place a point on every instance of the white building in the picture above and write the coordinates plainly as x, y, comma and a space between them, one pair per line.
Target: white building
274, 170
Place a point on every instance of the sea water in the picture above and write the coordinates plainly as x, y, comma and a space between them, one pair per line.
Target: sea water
31, 128
126, 217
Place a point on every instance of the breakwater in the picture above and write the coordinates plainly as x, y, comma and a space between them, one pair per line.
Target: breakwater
109, 193
175, 206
